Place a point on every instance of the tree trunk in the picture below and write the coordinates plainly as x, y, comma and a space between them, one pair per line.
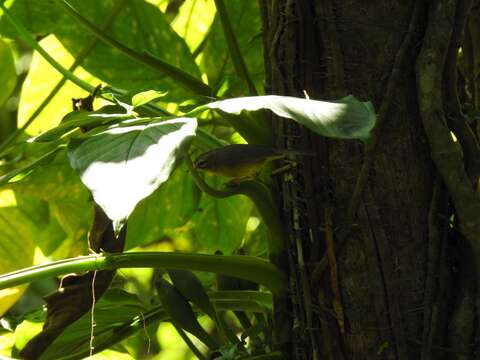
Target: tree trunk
399, 282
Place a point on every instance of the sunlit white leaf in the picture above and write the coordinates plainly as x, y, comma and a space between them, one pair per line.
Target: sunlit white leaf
123, 165
347, 118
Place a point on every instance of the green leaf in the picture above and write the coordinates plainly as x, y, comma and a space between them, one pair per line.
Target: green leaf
181, 313
109, 354
262, 298
8, 75
30, 326
52, 180
236, 56
24, 170
26, 225
123, 165
193, 21
146, 96
347, 118
81, 118
69, 204
178, 197
152, 35
39, 212
114, 308
216, 61
36, 17
41, 80
192, 289
220, 224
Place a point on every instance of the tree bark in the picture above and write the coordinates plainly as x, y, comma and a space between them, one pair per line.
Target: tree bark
399, 281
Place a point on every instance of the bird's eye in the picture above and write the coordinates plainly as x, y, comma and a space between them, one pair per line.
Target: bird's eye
200, 164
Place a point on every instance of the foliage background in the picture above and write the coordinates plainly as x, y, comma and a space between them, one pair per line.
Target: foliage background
45, 214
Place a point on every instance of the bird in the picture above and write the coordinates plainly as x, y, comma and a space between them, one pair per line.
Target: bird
239, 161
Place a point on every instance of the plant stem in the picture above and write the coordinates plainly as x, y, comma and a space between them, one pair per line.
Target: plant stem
241, 266
261, 196
233, 47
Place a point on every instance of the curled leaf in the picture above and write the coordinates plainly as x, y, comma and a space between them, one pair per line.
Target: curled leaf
146, 96
347, 118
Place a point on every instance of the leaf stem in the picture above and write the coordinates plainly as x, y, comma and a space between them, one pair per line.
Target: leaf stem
261, 196
234, 48
241, 266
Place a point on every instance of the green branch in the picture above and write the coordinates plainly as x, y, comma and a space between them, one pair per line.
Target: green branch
244, 267
184, 79
261, 196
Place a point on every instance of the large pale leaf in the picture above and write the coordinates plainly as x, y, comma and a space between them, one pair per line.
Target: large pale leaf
347, 118
123, 165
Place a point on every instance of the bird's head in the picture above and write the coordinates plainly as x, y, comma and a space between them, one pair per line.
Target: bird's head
204, 162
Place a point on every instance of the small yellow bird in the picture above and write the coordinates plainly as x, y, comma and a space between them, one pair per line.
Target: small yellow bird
239, 160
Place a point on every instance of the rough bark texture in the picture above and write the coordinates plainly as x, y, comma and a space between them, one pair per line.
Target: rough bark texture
392, 280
